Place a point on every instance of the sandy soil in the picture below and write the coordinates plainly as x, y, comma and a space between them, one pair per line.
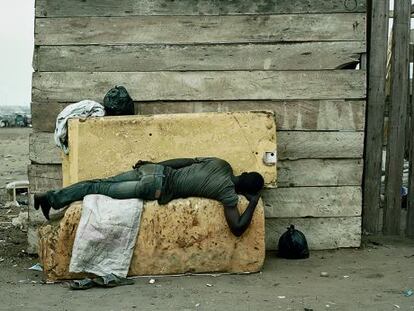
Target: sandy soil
371, 278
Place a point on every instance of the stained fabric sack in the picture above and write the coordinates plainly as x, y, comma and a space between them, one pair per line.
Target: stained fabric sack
106, 235
293, 244
117, 102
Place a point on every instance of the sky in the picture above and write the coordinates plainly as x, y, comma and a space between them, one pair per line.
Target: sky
16, 51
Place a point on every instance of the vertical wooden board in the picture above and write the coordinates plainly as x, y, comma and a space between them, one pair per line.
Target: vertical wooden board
201, 85
410, 207
297, 202
398, 117
302, 145
320, 172
196, 29
51, 8
378, 43
130, 58
301, 115
321, 233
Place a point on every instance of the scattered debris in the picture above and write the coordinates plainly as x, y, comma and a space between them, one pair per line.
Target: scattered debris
11, 204
151, 281
36, 267
21, 221
25, 281
408, 292
324, 274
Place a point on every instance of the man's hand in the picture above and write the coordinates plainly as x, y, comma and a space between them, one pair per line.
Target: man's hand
254, 198
140, 163
239, 223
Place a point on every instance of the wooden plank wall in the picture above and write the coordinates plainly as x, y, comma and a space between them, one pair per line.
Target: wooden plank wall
194, 56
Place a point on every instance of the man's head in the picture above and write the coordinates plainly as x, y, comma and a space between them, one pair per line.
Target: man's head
250, 183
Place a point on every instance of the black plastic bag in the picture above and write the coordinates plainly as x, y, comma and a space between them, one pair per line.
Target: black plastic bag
117, 102
293, 244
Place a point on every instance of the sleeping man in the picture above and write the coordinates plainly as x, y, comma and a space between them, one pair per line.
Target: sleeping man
210, 178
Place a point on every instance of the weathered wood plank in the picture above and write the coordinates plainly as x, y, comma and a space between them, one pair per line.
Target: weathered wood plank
410, 207
281, 202
44, 177
196, 29
319, 172
303, 145
44, 115
51, 8
42, 149
397, 117
49, 176
201, 85
127, 58
321, 233
291, 145
312, 202
378, 44
290, 115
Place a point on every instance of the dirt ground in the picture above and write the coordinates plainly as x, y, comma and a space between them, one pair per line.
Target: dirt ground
371, 278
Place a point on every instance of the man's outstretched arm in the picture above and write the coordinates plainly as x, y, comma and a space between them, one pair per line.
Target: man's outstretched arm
239, 223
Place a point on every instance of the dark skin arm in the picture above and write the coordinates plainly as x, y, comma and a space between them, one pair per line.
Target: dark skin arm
239, 223
173, 163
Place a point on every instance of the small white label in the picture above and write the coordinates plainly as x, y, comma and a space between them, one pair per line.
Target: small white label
270, 158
